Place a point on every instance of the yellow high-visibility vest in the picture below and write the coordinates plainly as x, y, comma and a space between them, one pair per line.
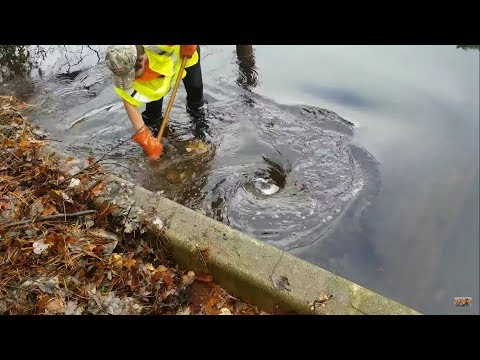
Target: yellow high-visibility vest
165, 60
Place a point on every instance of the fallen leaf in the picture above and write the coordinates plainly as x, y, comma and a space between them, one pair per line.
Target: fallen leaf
116, 260
4, 205
97, 190
157, 275
7, 143
3, 307
48, 210
129, 263
74, 183
89, 223
198, 146
47, 285
186, 311
54, 239
210, 306
159, 223
204, 278
114, 305
55, 306
109, 248
72, 308
225, 311
39, 246
60, 196
167, 278
168, 293
103, 234
189, 278
137, 308
24, 143
322, 299
36, 208
150, 267
281, 283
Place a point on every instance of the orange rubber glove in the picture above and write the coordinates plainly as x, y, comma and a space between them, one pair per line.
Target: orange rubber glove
187, 50
151, 146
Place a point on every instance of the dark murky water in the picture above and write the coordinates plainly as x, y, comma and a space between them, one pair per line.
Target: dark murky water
385, 193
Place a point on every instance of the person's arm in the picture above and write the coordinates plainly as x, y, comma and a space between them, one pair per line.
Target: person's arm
143, 136
134, 115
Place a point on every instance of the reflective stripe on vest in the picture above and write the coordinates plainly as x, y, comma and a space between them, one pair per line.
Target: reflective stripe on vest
146, 91
162, 59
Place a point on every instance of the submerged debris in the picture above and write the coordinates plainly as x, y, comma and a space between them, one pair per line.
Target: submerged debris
266, 187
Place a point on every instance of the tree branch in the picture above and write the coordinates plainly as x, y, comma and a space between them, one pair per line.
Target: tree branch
43, 218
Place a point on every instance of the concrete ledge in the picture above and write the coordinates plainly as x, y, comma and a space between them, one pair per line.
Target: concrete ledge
239, 263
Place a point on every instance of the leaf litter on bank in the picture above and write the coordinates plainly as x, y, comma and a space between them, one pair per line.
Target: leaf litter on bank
77, 265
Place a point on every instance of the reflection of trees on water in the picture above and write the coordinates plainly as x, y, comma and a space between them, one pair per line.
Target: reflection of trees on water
469, 47
74, 57
19, 61
247, 70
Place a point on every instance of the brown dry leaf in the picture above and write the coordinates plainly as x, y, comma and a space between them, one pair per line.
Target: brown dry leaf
323, 297
37, 143
36, 208
129, 263
97, 189
162, 268
133, 283
54, 238
204, 278
205, 253
70, 240
106, 209
48, 210
60, 196
24, 142
7, 143
4, 205
157, 276
42, 302
55, 306
167, 278
41, 191
210, 306
104, 235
